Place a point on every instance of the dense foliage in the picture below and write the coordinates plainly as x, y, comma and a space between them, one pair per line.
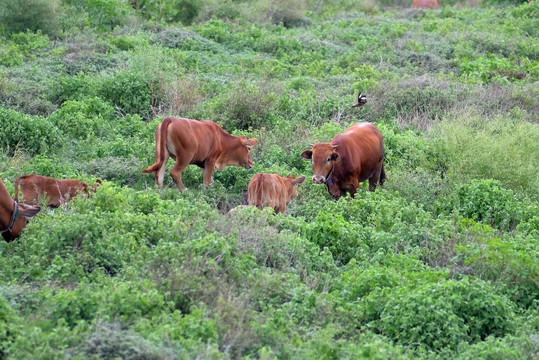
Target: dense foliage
442, 263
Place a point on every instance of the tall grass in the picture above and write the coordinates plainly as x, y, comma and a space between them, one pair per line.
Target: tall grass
504, 148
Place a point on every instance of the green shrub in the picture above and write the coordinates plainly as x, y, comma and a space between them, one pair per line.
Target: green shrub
487, 201
507, 264
505, 149
84, 119
246, 105
333, 232
444, 314
34, 134
105, 15
127, 91
22, 15
9, 326
111, 340
21, 47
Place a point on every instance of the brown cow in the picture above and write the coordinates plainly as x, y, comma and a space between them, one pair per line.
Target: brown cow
272, 190
57, 191
202, 143
13, 216
350, 158
425, 4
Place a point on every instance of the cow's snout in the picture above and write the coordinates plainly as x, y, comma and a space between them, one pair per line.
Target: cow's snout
317, 179
248, 166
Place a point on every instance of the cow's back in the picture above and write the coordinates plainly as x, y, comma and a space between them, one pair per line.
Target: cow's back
36, 187
201, 138
361, 148
265, 191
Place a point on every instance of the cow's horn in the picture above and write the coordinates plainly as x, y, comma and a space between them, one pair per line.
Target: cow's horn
334, 146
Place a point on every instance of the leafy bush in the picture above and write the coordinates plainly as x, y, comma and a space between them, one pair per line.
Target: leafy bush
9, 326
109, 340
444, 314
513, 267
246, 106
333, 232
487, 201
84, 119
503, 149
22, 15
34, 134
105, 15
126, 91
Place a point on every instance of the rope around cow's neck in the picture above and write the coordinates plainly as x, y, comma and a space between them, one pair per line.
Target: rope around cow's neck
328, 177
13, 218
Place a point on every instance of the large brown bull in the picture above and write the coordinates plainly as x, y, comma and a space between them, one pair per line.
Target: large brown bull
13, 216
350, 158
202, 143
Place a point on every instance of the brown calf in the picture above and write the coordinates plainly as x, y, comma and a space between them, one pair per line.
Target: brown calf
57, 191
272, 190
202, 143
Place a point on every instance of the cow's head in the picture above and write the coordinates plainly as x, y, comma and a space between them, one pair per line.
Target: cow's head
361, 100
22, 215
323, 156
93, 187
243, 155
291, 184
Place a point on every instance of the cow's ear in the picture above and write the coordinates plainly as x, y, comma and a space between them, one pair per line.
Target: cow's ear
99, 182
299, 180
28, 211
334, 156
249, 143
307, 154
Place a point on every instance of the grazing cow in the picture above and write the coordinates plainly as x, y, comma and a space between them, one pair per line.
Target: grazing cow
57, 191
13, 216
350, 158
272, 190
202, 143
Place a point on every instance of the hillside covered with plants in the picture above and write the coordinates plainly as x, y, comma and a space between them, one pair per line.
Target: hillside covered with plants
440, 263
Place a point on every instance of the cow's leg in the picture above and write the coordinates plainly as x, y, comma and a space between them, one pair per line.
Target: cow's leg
176, 172
352, 188
160, 174
376, 176
208, 171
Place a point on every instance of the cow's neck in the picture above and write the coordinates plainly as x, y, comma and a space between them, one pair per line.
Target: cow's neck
7, 207
228, 144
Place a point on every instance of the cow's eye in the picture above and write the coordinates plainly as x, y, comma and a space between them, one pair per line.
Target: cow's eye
329, 159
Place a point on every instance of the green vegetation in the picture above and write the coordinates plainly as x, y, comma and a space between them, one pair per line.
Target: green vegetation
442, 263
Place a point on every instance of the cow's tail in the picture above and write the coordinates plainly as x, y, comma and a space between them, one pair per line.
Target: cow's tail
255, 192
16, 194
382, 175
160, 146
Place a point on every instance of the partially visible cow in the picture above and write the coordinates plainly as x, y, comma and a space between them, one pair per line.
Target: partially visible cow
272, 190
13, 216
425, 4
202, 143
350, 158
245, 197
35, 188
